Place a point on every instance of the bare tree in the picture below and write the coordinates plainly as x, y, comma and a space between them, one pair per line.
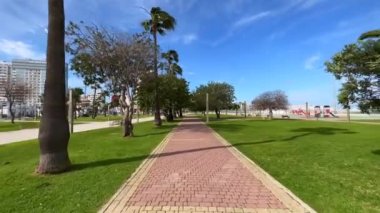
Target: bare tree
118, 61
130, 59
14, 93
272, 100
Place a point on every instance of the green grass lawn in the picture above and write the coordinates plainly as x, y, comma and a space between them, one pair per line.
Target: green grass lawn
212, 117
334, 167
101, 118
102, 160
368, 120
18, 125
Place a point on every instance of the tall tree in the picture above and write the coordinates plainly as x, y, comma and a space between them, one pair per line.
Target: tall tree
54, 128
272, 100
221, 96
175, 95
14, 93
160, 21
130, 62
85, 44
358, 64
171, 82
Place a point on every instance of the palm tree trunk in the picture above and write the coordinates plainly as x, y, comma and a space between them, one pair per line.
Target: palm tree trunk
54, 128
157, 116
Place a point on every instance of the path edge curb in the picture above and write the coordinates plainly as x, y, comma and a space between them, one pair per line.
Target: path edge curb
145, 165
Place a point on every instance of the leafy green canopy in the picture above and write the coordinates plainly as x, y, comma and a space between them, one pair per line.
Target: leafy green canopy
221, 96
359, 65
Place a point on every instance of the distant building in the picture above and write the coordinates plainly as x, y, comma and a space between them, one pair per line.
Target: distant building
32, 75
5, 70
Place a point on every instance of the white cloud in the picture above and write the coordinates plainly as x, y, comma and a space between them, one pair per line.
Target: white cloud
189, 38
190, 73
250, 19
239, 24
19, 49
311, 62
306, 4
247, 20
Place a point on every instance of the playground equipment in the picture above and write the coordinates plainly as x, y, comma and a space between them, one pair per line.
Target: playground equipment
327, 112
317, 111
299, 112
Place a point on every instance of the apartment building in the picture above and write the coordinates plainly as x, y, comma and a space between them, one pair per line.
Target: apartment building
31, 74
5, 70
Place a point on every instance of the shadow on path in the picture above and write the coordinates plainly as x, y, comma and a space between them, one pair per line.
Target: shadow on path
191, 127
108, 162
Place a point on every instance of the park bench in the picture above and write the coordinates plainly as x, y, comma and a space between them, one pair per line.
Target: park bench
285, 116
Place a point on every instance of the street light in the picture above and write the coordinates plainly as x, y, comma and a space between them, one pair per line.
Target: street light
207, 119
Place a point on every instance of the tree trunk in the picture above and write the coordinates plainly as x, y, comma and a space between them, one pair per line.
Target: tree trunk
11, 112
270, 113
54, 128
217, 112
171, 114
348, 114
128, 126
174, 112
157, 115
94, 111
180, 113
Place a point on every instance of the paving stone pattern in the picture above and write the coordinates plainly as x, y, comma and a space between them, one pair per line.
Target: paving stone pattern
194, 171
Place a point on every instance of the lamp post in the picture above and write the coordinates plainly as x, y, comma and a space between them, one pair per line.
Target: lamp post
71, 120
207, 119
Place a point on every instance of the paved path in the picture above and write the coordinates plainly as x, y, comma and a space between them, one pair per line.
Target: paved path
195, 170
29, 134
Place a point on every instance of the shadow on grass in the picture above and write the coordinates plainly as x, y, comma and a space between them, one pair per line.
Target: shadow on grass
317, 131
195, 127
324, 130
376, 152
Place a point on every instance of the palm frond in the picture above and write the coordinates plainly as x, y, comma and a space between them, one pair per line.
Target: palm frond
370, 34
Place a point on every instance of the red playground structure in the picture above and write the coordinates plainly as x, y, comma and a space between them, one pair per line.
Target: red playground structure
298, 112
327, 112
318, 112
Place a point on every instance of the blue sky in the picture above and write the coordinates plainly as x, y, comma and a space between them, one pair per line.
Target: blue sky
255, 45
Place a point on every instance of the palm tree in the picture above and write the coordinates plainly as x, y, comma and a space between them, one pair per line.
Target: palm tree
370, 34
159, 22
54, 128
172, 58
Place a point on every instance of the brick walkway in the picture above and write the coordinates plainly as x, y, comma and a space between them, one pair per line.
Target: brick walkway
195, 170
